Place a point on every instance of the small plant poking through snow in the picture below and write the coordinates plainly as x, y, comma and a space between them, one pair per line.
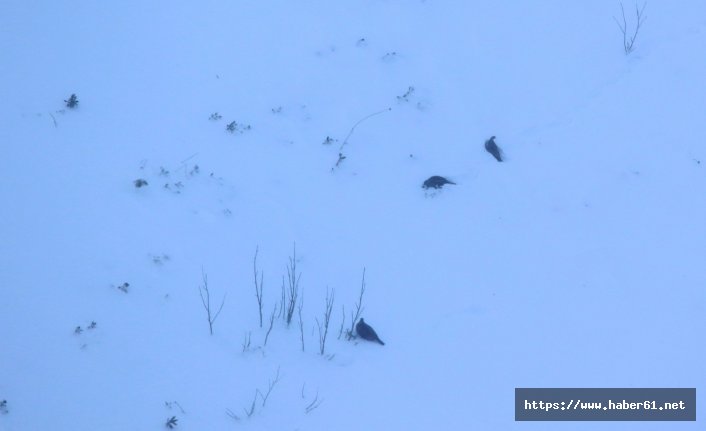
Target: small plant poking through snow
171, 422
234, 127
246, 341
175, 187
329, 140
215, 116
3, 407
140, 183
93, 325
71, 102
159, 260
124, 287
405, 97
390, 56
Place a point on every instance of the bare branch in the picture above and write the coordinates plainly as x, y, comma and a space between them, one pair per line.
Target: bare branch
629, 41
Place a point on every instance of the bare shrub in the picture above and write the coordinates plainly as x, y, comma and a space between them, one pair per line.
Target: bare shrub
629, 41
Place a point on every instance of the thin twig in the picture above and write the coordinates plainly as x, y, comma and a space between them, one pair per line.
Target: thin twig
323, 329
301, 321
258, 286
282, 302
345, 141
188, 158
293, 281
206, 301
314, 404
272, 321
343, 321
232, 415
358, 308
270, 385
250, 412
246, 341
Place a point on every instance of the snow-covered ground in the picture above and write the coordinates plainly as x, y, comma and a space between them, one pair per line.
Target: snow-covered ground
577, 263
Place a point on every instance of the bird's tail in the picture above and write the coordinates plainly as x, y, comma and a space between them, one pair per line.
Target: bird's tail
380, 341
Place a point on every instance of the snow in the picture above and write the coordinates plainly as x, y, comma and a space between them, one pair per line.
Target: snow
576, 263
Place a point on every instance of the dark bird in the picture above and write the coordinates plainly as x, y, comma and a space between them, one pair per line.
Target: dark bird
492, 148
436, 182
366, 332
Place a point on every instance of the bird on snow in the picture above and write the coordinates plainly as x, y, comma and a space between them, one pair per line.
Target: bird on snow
366, 332
492, 148
436, 182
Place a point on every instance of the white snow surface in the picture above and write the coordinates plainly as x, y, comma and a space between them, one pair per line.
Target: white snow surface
578, 262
